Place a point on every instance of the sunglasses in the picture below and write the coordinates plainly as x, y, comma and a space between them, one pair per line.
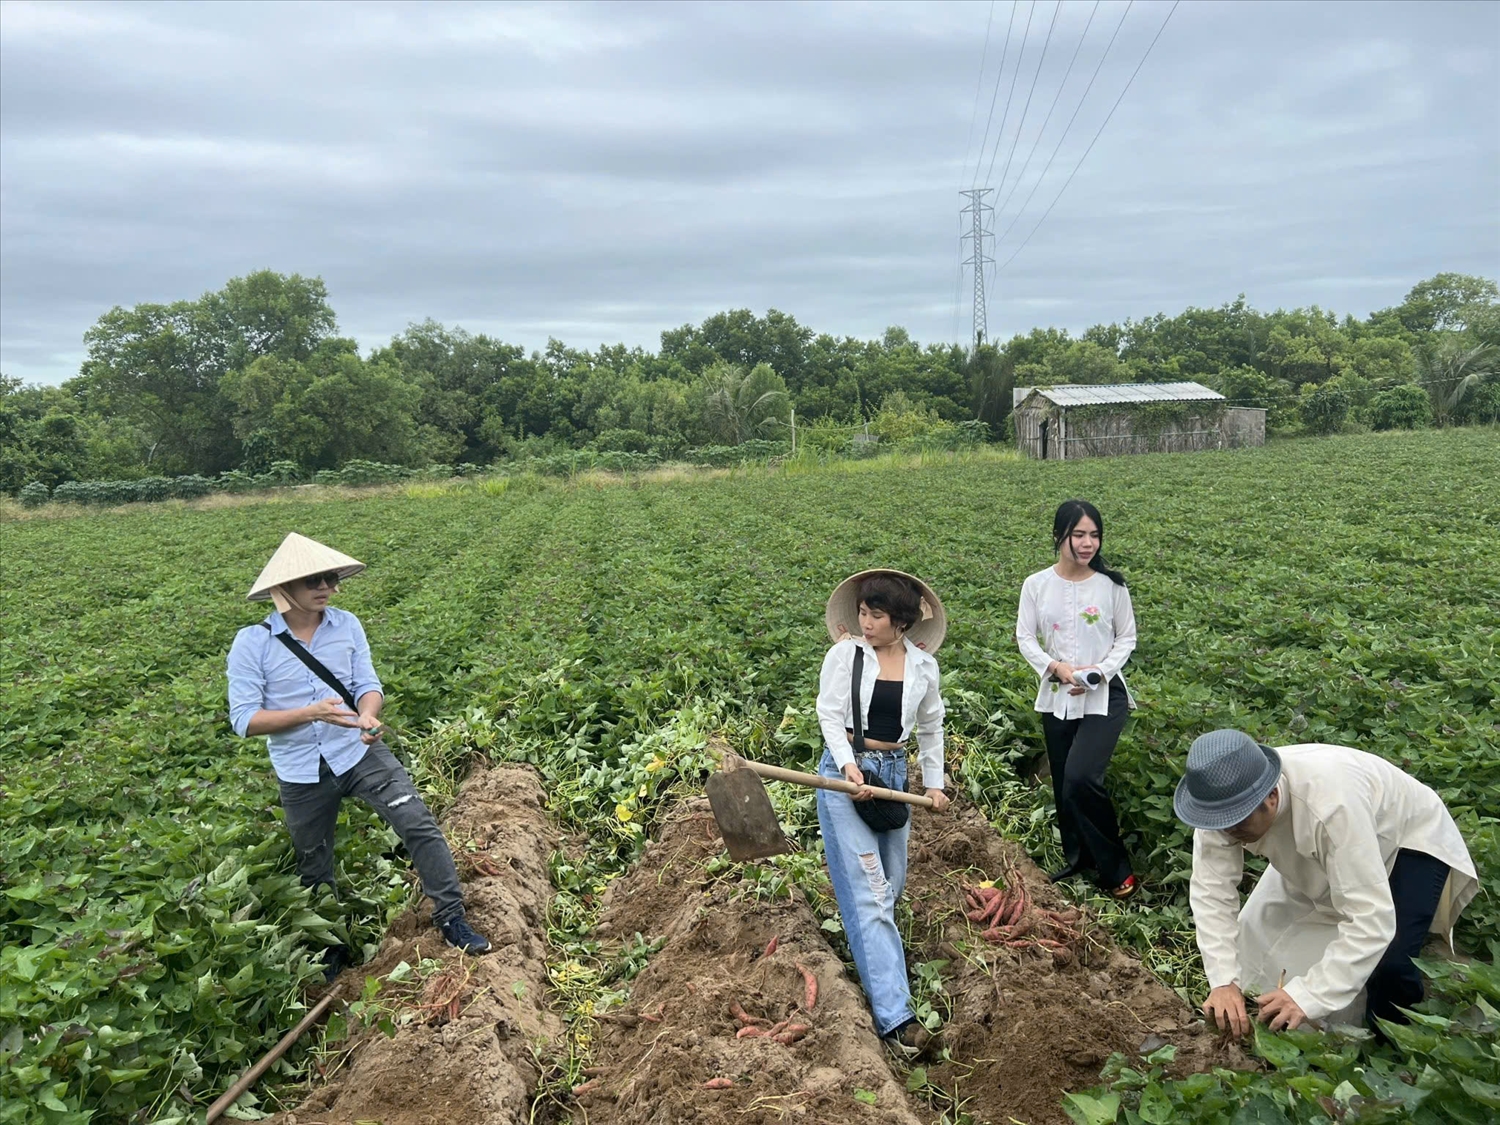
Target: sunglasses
331, 580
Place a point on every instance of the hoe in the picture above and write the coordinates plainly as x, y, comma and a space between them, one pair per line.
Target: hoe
742, 808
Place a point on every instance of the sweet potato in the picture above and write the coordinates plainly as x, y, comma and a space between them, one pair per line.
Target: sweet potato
743, 1016
749, 1032
811, 986
771, 946
793, 1032
719, 1084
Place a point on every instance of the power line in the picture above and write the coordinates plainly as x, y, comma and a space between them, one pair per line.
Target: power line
978, 88
999, 77
1093, 142
1010, 156
1021, 175
1069, 126
1010, 97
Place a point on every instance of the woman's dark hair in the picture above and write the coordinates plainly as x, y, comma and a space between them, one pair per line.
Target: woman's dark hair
1069, 512
896, 597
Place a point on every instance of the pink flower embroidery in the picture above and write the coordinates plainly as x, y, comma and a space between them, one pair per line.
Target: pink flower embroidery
1091, 614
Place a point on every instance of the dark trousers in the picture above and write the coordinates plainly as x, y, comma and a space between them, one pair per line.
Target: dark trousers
312, 811
1417, 881
1078, 751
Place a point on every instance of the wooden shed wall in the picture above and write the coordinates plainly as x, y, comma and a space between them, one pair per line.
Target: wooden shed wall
1074, 434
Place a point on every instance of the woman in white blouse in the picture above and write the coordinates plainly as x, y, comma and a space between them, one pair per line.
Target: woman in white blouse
1075, 626
879, 686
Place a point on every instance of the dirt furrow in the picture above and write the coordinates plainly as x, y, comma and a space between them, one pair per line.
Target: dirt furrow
462, 1053
678, 1052
1023, 1028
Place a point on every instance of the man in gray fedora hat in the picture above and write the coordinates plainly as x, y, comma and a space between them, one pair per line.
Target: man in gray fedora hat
1363, 862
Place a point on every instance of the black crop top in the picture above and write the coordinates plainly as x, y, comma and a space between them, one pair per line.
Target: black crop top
885, 712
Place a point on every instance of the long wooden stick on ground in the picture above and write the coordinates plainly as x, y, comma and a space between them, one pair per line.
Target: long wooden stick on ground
252, 1076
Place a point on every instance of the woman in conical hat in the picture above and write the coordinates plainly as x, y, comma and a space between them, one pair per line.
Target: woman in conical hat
304, 679
878, 688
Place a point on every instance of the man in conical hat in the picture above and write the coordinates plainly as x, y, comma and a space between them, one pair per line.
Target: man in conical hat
303, 678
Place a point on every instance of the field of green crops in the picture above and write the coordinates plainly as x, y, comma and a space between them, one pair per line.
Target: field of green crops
154, 937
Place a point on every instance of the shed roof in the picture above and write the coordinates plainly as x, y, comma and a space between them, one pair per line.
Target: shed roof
1088, 394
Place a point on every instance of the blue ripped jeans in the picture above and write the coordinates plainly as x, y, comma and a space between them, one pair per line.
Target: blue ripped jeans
868, 870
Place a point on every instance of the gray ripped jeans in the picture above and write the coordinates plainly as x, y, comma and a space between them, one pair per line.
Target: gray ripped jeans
312, 811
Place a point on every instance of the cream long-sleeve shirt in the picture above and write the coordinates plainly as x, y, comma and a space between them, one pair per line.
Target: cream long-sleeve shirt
1088, 624
1343, 816
921, 704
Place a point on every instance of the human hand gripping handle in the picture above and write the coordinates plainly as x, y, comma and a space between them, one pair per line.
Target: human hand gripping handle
855, 776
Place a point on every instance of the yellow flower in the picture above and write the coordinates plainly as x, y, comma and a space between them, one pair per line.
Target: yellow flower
624, 813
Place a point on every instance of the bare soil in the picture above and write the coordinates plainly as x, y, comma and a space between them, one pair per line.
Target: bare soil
466, 1055
1022, 1029
678, 1031
1024, 1026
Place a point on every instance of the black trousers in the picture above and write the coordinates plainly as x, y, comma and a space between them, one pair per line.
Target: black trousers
1417, 881
1078, 751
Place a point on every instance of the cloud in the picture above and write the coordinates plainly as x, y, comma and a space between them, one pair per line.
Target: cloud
603, 172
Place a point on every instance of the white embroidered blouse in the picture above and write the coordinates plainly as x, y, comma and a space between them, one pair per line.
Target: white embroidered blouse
1088, 624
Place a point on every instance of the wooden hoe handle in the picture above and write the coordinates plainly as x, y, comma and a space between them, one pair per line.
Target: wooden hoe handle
837, 784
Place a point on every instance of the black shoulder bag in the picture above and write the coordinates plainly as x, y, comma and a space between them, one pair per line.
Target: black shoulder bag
314, 665
880, 814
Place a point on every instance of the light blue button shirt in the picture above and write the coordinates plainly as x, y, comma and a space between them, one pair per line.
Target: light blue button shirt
264, 676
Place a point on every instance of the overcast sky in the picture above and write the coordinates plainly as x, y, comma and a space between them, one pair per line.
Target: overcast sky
599, 173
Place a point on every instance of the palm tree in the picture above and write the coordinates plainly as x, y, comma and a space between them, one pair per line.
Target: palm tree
741, 406
1450, 369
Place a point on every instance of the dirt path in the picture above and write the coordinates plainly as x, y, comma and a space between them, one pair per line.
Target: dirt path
465, 1056
1023, 1029
678, 1033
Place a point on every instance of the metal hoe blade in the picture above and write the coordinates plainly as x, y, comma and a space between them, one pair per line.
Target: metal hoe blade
742, 810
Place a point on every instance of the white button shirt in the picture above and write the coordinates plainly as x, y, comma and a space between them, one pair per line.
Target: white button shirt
921, 705
1344, 815
1088, 624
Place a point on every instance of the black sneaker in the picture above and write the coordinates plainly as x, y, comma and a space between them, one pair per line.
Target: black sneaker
336, 958
458, 933
909, 1041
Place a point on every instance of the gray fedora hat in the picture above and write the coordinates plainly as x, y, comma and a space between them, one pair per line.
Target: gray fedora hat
1228, 775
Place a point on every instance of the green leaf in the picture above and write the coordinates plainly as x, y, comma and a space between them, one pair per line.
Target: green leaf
1162, 1056
1156, 1107
916, 1079
866, 1096
1276, 1049
1485, 1093
1259, 1110
1087, 1109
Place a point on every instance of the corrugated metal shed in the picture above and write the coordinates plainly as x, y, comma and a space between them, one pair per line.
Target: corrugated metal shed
1086, 394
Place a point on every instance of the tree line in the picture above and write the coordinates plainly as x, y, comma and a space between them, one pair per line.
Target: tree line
256, 373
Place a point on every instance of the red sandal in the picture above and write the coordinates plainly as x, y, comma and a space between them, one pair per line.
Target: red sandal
1126, 890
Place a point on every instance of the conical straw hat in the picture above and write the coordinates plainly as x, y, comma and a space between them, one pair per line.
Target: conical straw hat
843, 610
299, 557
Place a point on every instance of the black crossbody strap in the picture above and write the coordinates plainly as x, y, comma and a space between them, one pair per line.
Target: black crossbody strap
314, 665
857, 681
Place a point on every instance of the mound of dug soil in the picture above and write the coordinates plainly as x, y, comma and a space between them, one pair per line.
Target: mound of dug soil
1024, 1029
676, 1053
465, 1055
